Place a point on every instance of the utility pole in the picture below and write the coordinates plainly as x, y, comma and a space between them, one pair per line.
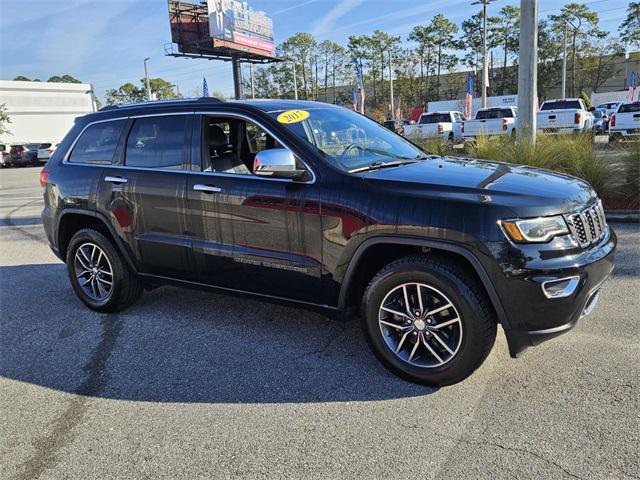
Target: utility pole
393, 110
253, 92
295, 81
485, 59
564, 62
146, 79
237, 76
528, 71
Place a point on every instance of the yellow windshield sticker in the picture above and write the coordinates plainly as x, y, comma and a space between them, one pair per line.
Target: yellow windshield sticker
293, 116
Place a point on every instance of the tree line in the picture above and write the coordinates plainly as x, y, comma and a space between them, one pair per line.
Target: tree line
441, 48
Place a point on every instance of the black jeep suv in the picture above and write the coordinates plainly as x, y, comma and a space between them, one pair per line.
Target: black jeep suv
321, 207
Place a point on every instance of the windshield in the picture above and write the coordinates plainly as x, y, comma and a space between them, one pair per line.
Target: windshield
350, 140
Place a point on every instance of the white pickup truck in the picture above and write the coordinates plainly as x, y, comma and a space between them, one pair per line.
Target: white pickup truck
445, 125
625, 123
491, 121
565, 116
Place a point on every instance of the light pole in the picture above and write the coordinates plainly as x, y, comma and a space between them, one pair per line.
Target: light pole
485, 60
564, 62
528, 71
146, 79
253, 92
295, 81
393, 110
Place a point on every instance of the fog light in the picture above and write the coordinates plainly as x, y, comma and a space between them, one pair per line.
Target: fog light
561, 288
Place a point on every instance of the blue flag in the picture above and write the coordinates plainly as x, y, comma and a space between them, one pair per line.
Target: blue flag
358, 73
354, 98
205, 88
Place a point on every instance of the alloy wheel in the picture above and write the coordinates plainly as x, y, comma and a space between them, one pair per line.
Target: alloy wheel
93, 272
420, 325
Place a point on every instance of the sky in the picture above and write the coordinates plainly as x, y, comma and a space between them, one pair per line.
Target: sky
105, 42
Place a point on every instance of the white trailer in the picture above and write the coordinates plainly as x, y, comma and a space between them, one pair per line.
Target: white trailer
42, 112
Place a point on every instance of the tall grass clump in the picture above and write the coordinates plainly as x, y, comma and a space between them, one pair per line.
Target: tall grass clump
435, 146
580, 159
631, 163
571, 154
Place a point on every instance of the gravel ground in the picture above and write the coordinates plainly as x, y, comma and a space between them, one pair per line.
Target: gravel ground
192, 384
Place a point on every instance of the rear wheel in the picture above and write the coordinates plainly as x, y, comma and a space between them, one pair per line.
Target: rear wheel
99, 275
428, 321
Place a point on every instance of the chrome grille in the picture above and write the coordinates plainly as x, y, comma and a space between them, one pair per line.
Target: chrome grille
589, 225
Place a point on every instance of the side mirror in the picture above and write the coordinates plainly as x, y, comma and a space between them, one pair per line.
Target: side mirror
277, 163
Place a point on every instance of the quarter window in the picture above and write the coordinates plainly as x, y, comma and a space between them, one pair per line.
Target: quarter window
98, 143
157, 142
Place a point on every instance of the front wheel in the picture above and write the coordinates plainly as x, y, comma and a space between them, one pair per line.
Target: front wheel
99, 275
428, 321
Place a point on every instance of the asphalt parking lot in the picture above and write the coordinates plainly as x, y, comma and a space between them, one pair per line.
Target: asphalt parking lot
191, 384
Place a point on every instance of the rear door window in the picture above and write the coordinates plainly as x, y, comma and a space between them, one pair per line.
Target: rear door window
435, 118
562, 105
157, 142
629, 108
98, 143
492, 114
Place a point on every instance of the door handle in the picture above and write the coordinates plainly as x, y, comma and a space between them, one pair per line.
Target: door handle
116, 180
206, 188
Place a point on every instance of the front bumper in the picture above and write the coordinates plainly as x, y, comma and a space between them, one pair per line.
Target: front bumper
524, 271
520, 340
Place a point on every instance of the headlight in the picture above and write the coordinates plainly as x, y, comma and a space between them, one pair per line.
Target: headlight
535, 230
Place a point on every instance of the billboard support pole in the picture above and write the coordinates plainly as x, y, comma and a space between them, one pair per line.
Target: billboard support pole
237, 76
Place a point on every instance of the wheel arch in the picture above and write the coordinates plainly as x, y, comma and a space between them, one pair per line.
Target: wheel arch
456, 251
73, 219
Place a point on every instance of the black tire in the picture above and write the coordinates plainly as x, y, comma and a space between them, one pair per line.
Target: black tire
126, 287
477, 318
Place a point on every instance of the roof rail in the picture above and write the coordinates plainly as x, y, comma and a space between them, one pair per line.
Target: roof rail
161, 103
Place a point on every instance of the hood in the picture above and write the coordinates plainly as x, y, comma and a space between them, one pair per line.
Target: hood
527, 191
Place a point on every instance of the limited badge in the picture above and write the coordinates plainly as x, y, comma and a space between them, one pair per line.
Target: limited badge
293, 116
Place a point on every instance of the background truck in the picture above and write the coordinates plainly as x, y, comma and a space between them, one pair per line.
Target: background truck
570, 115
625, 123
490, 122
445, 125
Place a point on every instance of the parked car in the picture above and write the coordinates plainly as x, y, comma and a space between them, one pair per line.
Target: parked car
600, 122
45, 150
445, 125
394, 125
5, 158
490, 122
625, 123
565, 116
609, 107
317, 206
24, 154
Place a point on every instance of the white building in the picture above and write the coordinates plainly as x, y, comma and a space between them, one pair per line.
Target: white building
43, 112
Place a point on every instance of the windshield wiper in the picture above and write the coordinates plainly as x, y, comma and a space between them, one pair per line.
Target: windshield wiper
379, 165
384, 153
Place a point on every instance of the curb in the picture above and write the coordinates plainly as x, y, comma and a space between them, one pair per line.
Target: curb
622, 216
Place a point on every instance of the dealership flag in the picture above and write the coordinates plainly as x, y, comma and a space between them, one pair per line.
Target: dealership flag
360, 83
205, 87
354, 98
468, 104
632, 86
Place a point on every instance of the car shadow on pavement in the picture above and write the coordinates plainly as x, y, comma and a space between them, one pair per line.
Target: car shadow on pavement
179, 345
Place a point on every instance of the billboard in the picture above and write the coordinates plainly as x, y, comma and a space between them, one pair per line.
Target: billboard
236, 26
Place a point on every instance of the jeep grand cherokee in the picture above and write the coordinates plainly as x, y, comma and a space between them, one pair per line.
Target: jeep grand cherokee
318, 206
